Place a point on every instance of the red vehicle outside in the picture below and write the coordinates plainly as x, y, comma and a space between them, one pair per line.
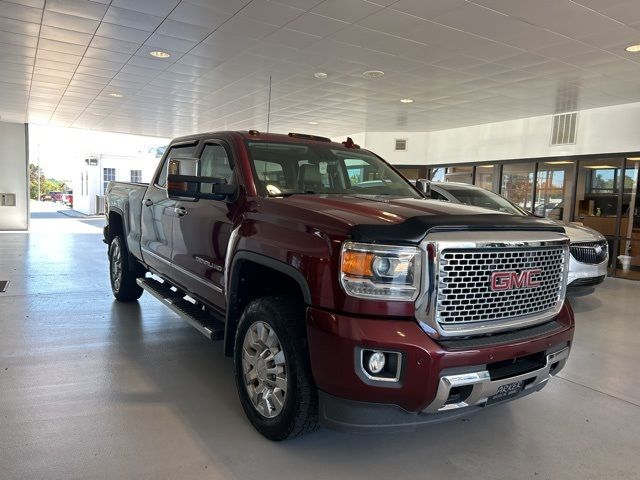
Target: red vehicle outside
345, 297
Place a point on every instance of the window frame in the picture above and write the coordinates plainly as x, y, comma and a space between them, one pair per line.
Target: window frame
105, 182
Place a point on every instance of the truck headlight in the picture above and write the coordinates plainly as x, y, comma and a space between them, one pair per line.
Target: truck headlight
383, 272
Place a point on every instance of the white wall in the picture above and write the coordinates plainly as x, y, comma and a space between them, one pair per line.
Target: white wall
600, 130
84, 198
13, 175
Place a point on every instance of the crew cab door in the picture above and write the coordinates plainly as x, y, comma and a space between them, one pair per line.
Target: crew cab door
158, 214
202, 228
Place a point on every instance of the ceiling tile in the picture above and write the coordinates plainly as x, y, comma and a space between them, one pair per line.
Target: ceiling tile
108, 55
18, 39
392, 22
119, 32
314, 24
63, 35
427, 9
20, 12
170, 44
160, 8
69, 22
18, 26
114, 45
182, 30
132, 19
346, 10
251, 28
79, 8
203, 16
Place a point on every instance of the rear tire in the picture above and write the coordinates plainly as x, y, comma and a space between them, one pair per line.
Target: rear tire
272, 368
122, 276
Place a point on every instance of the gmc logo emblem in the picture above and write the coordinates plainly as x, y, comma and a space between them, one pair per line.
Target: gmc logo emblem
509, 279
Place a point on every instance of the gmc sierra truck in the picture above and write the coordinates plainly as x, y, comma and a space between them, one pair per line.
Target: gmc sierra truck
345, 297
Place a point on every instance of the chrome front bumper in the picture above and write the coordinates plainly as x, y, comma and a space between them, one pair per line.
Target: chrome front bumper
483, 387
580, 271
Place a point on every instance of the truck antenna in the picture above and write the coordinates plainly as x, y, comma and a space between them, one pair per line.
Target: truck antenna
269, 107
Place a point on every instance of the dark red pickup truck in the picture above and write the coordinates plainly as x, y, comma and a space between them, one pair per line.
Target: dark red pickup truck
345, 297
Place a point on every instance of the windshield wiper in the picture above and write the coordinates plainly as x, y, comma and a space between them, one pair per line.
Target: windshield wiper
288, 194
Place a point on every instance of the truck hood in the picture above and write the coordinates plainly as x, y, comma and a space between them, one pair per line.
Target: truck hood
405, 220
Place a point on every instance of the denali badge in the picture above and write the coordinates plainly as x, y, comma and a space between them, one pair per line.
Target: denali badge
509, 279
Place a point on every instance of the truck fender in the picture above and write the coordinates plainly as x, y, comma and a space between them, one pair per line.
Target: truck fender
234, 303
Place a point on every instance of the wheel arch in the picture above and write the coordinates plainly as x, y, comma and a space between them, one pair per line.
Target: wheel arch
253, 269
116, 224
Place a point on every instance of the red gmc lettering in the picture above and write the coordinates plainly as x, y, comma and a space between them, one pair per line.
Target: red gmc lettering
507, 280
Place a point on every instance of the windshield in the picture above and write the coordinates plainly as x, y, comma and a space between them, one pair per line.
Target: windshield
282, 169
479, 197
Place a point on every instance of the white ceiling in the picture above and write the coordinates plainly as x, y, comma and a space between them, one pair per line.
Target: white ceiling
463, 62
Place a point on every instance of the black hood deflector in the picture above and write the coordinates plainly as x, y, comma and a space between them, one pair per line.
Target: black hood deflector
414, 229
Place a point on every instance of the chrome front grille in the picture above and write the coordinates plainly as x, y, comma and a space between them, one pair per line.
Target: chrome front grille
590, 252
465, 294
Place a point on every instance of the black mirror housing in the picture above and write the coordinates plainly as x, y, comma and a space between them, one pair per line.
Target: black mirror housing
180, 187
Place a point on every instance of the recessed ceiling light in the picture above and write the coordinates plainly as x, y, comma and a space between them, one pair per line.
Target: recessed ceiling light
312, 123
634, 159
373, 73
406, 100
485, 166
159, 54
559, 162
633, 48
599, 166
115, 95
320, 75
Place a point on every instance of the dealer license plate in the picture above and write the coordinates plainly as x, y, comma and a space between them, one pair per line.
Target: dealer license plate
506, 391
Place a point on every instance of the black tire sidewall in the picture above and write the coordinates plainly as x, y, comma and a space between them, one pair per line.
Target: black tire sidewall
129, 289
268, 311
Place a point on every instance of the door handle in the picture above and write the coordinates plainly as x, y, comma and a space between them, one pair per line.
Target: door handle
180, 211
148, 202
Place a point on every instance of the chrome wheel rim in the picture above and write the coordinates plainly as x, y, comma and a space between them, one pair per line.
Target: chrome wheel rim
116, 266
264, 369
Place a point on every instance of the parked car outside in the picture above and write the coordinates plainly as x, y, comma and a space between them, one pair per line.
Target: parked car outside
589, 248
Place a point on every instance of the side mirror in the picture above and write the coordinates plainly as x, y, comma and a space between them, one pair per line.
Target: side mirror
183, 182
182, 166
180, 187
424, 186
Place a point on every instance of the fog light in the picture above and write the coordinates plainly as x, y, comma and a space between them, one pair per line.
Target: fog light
377, 361
378, 366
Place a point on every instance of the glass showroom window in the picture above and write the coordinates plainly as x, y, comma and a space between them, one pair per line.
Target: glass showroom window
553, 189
437, 174
108, 175
597, 194
411, 173
459, 174
484, 176
628, 257
517, 183
136, 176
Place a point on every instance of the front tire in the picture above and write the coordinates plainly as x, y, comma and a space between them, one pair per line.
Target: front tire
123, 278
272, 369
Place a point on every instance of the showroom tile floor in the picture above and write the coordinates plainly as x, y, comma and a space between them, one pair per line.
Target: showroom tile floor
90, 388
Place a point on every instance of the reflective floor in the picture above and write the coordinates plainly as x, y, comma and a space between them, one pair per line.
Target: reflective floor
90, 388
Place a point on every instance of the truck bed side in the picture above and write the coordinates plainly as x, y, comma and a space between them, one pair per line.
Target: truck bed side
124, 204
